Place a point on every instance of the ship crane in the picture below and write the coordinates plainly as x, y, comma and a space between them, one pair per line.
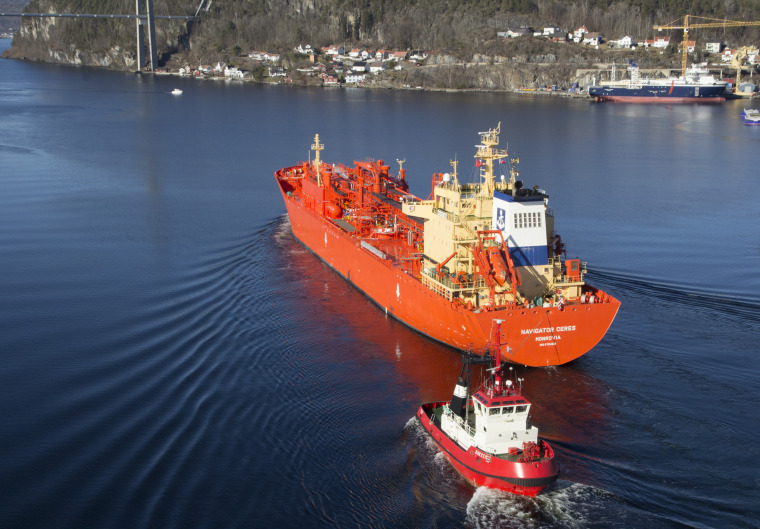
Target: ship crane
686, 25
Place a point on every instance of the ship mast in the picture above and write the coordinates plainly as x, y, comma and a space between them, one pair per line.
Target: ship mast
485, 155
454, 179
316, 148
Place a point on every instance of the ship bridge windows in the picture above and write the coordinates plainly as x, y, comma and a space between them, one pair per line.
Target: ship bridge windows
528, 219
494, 411
521, 409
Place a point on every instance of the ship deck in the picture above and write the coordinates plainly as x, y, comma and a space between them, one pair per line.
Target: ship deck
438, 412
394, 249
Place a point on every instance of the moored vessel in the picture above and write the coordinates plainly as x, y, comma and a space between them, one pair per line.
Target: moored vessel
450, 265
486, 435
751, 116
695, 86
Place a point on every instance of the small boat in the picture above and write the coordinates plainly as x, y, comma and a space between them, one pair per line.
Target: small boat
487, 436
752, 119
177, 92
750, 112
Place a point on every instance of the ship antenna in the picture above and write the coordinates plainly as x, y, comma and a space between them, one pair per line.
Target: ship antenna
485, 156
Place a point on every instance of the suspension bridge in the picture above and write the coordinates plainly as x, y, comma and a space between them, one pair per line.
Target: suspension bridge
145, 18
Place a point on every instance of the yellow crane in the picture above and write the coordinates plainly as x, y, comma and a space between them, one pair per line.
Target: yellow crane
686, 25
736, 61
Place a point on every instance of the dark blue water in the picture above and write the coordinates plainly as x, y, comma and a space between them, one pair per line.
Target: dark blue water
172, 358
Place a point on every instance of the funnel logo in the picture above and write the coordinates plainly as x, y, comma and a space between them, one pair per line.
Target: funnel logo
501, 219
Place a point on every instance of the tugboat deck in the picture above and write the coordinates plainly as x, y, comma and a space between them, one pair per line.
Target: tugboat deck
436, 417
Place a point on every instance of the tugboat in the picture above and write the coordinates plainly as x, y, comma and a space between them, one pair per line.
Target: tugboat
487, 437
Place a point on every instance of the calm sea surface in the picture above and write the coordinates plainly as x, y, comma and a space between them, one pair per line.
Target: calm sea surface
173, 358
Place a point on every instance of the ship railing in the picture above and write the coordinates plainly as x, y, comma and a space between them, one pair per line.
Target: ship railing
437, 287
446, 215
566, 280
461, 422
447, 287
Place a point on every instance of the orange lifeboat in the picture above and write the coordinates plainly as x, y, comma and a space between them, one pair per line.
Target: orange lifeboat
499, 266
333, 211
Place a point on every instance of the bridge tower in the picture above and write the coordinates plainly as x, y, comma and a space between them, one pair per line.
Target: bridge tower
150, 22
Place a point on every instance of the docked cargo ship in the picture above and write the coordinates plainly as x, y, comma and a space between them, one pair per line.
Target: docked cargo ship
450, 265
487, 436
696, 86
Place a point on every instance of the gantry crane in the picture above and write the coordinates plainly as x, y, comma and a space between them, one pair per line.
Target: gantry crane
687, 25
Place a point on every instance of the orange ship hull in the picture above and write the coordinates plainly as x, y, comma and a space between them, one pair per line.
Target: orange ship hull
540, 336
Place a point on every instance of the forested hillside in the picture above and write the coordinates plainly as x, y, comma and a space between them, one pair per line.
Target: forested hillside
458, 28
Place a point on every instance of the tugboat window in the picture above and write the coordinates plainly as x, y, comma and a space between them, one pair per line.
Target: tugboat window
521, 408
508, 409
494, 411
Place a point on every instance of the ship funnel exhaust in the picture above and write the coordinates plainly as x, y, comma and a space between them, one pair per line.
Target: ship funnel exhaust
459, 400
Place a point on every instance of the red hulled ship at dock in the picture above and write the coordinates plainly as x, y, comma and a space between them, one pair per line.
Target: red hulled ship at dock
451, 265
486, 436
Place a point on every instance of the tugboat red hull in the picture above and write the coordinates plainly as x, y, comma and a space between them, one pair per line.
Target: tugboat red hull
486, 470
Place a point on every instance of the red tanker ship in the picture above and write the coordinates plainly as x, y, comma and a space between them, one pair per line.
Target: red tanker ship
451, 265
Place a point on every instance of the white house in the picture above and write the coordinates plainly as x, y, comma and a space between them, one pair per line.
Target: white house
355, 78
625, 42
661, 42
232, 72
376, 67
304, 49
516, 32
264, 56
334, 50
592, 39
578, 34
713, 47
690, 45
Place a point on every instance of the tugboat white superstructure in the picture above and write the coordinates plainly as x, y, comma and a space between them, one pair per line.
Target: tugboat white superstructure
487, 437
